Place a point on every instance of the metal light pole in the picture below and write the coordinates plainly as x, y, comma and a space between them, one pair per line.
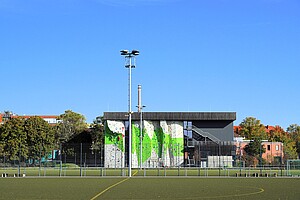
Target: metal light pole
242, 162
260, 159
129, 56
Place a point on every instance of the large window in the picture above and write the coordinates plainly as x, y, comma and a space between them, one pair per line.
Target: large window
187, 129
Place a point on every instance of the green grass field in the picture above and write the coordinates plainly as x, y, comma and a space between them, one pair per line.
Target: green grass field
149, 188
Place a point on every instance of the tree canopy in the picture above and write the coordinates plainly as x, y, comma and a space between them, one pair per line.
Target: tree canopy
70, 124
13, 139
251, 128
30, 138
254, 149
294, 131
40, 137
97, 133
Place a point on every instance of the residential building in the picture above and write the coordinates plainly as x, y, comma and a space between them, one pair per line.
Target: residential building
273, 150
51, 119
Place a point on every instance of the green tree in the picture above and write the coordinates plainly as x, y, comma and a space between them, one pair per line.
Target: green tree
251, 128
71, 124
294, 132
277, 134
289, 145
97, 133
289, 148
40, 137
255, 149
13, 139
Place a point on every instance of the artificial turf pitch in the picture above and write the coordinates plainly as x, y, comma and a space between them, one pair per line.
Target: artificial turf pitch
150, 188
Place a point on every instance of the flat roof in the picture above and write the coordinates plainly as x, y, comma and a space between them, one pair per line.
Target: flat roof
170, 116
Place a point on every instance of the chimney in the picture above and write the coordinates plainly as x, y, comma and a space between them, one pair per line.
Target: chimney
139, 98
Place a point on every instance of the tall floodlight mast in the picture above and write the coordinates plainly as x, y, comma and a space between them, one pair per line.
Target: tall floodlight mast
129, 57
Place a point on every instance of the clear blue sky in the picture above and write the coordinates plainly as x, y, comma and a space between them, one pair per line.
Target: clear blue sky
196, 55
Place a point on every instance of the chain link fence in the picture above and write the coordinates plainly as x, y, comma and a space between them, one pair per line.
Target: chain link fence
196, 159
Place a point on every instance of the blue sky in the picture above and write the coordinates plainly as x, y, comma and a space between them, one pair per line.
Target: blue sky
196, 55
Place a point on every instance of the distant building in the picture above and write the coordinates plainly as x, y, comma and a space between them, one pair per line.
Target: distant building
273, 150
5, 116
51, 119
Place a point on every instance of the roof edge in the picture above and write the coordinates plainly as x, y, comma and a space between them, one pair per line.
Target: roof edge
231, 116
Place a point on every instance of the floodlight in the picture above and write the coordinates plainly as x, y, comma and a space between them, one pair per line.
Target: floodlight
129, 56
135, 52
124, 52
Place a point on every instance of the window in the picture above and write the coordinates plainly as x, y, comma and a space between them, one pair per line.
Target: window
277, 147
187, 129
269, 147
188, 133
187, 125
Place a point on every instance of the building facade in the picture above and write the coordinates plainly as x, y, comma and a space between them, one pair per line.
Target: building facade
50, 119
273, 151
170, 139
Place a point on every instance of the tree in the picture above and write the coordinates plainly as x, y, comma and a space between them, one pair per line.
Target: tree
13, 139
255, 149
40, 137
252, 128
289, 145
289, 148
294, 132
71, 124
97, 133
277, 134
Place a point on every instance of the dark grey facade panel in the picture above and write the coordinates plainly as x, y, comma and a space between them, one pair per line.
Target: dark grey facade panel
169, 116
211, 123
224, 134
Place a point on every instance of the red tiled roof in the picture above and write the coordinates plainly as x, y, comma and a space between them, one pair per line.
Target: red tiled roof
41, 116
269, 128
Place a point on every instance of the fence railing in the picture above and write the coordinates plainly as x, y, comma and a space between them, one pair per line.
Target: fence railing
84, 171
203, 159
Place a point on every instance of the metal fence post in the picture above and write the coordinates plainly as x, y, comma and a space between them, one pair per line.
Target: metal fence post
95, 152
40, 162
219, 153
80, 159
65, 164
